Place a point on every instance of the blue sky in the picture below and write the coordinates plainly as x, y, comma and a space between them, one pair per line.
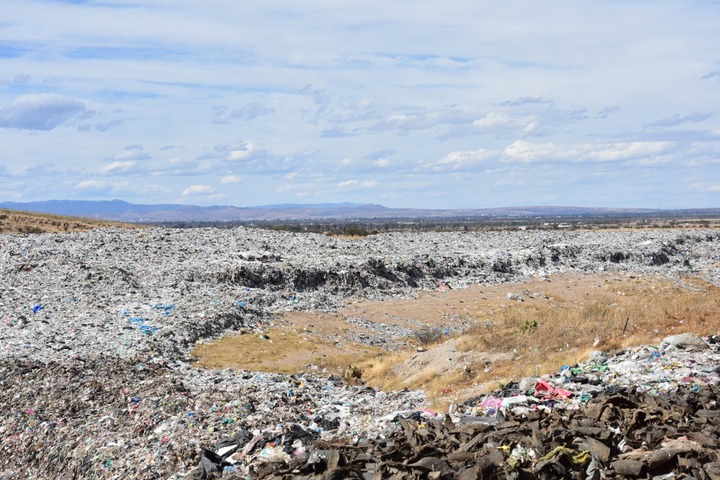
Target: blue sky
453, 104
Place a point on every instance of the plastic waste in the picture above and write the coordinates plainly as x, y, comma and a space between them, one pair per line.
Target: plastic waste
685, 341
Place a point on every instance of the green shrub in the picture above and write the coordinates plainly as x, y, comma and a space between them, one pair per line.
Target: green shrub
528, 327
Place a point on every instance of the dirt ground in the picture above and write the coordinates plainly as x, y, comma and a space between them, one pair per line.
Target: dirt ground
479, 333
446, 307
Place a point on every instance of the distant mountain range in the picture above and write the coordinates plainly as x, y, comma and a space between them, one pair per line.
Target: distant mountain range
118, 210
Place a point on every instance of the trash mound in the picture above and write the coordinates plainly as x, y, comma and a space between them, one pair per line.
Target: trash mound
646, 412
125, 292
147, 419
399, 262
622, 435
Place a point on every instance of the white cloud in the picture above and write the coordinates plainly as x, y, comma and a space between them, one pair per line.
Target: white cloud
461, 160
100, 188
242, 153
409, 118
356, 184
201, 193
522, 151
119, 167
526, 152
132, 152
495, 120
230, 179
198, 190
40, 111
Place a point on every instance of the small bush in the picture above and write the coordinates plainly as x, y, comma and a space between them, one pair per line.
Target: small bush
428, 335
528, 327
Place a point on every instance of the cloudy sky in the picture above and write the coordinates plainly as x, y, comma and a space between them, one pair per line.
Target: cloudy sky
406, 103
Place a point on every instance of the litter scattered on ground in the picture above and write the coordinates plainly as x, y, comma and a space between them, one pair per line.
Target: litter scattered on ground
95, 378
599, 419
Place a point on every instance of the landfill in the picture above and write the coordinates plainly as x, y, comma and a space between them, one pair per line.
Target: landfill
96, 380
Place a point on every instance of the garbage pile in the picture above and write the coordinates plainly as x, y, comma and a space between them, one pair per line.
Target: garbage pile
158, 291
145, 418
95, 329
620, 435
651, 412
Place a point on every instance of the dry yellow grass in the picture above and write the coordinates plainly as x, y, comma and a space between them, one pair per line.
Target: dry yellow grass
14, 221
280, 350
543, 337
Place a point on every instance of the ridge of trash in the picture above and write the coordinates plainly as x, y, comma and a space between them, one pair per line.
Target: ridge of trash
95, 381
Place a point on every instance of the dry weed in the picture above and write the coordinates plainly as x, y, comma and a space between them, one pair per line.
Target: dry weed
543, 337
15, 221
280, 350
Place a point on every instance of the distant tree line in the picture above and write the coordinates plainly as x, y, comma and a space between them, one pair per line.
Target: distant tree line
363, 227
